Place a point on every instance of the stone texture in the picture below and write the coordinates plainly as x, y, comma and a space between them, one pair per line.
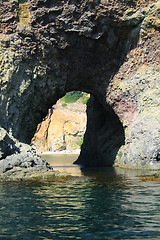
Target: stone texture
27, 159
21, 155
7, 144
62, 129
48, 48
142, 126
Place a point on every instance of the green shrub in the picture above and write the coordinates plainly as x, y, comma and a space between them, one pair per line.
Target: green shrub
64, 104
80, 142
72, 96
85, 98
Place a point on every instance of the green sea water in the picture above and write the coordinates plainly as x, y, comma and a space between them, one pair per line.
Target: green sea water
95, 204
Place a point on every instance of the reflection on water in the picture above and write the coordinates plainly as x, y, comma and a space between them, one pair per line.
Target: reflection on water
100, 203
63, 163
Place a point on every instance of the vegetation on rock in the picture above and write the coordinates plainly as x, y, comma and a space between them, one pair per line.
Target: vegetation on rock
64, 104
72, 96
80, 142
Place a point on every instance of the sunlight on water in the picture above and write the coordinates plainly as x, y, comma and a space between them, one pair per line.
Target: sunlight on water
100, 203
63, 163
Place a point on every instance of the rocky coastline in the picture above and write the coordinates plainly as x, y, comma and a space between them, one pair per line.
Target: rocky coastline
109, 49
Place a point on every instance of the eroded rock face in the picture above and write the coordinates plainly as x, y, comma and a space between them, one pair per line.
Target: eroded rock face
107, 48
19, 157
62, 129
54, 48
142, 131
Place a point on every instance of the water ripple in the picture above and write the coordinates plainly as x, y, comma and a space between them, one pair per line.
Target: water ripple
117, 207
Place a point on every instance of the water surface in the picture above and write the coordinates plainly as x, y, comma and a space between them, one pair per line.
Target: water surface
95, 204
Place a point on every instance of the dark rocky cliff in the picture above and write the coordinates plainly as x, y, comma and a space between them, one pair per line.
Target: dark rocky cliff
107, 48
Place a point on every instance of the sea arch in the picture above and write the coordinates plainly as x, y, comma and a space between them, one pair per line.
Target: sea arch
59, 46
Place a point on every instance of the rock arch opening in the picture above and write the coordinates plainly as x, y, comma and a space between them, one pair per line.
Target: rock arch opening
62, 130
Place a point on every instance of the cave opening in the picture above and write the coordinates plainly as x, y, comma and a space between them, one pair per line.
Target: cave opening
104, 136
95, 137
62, 130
